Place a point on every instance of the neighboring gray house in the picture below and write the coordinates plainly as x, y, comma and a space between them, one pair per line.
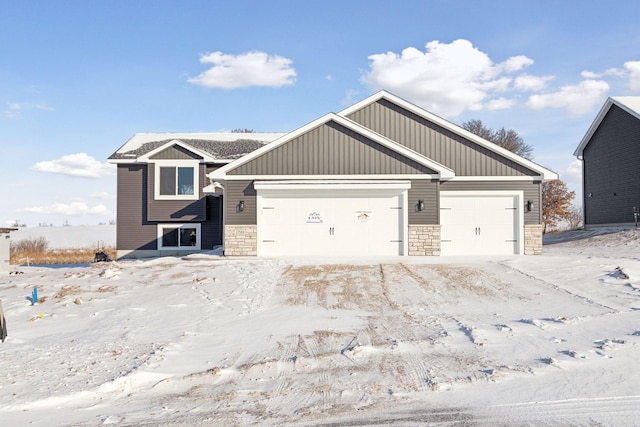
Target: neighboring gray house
161, 206
382, 177
5, 248
610, 154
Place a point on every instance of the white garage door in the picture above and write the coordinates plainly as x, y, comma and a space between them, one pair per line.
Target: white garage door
331, 222
480, 223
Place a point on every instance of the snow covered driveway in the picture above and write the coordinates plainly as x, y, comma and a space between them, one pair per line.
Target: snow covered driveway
545, 340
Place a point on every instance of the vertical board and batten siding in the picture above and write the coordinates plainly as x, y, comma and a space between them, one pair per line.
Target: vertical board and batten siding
427, 191
234, 192
530, 189
133, 232
612, 169
466, 158
175, 210
331, 149
175, 152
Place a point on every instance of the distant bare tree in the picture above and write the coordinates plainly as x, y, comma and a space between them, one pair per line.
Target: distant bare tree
240, 130
476, 127
508, 139
574, 218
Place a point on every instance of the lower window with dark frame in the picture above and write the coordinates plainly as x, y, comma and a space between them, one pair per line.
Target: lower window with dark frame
183, 237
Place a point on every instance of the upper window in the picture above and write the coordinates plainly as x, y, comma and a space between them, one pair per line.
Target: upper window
176, 181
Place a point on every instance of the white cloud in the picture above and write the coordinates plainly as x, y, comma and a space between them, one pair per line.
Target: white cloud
349, 97
590, 75
573, 172
446, 79
500, 104
577, 99
516, 63
615, 72
80, 165
68, 209
608, 72
104, 195
633, 67
15, 109
529, 83
247, 69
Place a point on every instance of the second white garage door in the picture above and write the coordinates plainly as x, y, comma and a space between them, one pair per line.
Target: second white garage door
487, 223
342, 222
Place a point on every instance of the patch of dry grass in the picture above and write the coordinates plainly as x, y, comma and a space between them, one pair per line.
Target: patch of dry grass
57, 256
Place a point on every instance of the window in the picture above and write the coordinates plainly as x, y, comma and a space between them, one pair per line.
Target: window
179, 236
176, 181
170, 176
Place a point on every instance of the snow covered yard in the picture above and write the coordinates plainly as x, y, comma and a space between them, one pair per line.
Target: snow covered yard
204, 340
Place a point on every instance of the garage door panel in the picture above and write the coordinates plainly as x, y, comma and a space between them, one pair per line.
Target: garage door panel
479, 224
325, 225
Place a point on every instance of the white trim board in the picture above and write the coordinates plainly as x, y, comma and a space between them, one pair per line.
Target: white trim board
332, 185
324, 177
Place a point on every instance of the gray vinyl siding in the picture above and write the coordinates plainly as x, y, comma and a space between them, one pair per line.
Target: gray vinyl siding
234, 192
331, 149
531, 191
422, 189
464, 157
612, 169
176, 210
175, 152
133, 231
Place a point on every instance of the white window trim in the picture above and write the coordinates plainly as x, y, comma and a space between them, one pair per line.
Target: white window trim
195, 164
198, 228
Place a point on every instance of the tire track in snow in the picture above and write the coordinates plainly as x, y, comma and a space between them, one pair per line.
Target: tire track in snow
618, 410
559, 288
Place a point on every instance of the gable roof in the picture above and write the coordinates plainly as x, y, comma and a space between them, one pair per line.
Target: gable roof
443, 171
545, 173
218, 147
630, 104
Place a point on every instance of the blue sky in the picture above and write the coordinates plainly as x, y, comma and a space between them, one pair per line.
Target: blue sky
79, 78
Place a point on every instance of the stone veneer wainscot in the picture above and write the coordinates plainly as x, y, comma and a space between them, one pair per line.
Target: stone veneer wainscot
424, 240
241, 240
533, 239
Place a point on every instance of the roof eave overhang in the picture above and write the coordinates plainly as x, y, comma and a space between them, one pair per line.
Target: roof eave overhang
594, 126
619, 102
206, 157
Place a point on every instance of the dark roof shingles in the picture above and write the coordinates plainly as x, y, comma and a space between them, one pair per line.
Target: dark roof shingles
223, 150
